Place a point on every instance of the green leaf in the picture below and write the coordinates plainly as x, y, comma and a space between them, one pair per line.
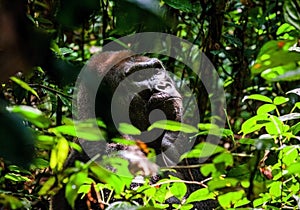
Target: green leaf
82, 130
260, 201
11, 202
202, 150
178, 190
116, 182
208, 168
258, 97
31, 114
226, 200
294, 168
284, 28
265, 108
254, 124
222, 183
275, 188
290, 155
225, 157
278, 100
200, 195
16, 177
72, 187
59, 154
183, 5
296, 128
173, 126
270, 65
46, 187
275, 126
241, 202
129, 129
24, 85
39, 163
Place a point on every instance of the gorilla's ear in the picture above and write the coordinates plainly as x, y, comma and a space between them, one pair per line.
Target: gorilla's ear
144, 63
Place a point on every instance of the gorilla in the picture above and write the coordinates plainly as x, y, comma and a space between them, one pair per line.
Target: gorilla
137, 90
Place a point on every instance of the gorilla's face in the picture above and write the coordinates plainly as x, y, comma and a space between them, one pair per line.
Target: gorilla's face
144, 93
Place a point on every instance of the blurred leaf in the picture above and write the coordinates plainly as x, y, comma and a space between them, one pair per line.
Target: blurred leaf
296, 128
47, 186
10, 202
16, 141
178, 189
24, 85
39, 163
284, 28
202, 150
84, 130
208, 169
294, 168
225, 158
222, 183
233, 40
226, 200
129, 129
270, 59
173, 126
72, 187
106, 176
31, 114
16, 177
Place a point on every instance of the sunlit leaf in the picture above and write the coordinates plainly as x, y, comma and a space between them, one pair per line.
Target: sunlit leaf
225, 158
72, 187
31, 114
84, 131
227, 199
270, 63
24, 85
265, 108
200, 195
118, 183
222, 182
202, 150
173, 126
284, 28
62, 152
254, 124
129, 129
275, 188
278, 100
258, 97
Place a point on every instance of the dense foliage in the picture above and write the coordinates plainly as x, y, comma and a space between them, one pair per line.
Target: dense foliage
255, 47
